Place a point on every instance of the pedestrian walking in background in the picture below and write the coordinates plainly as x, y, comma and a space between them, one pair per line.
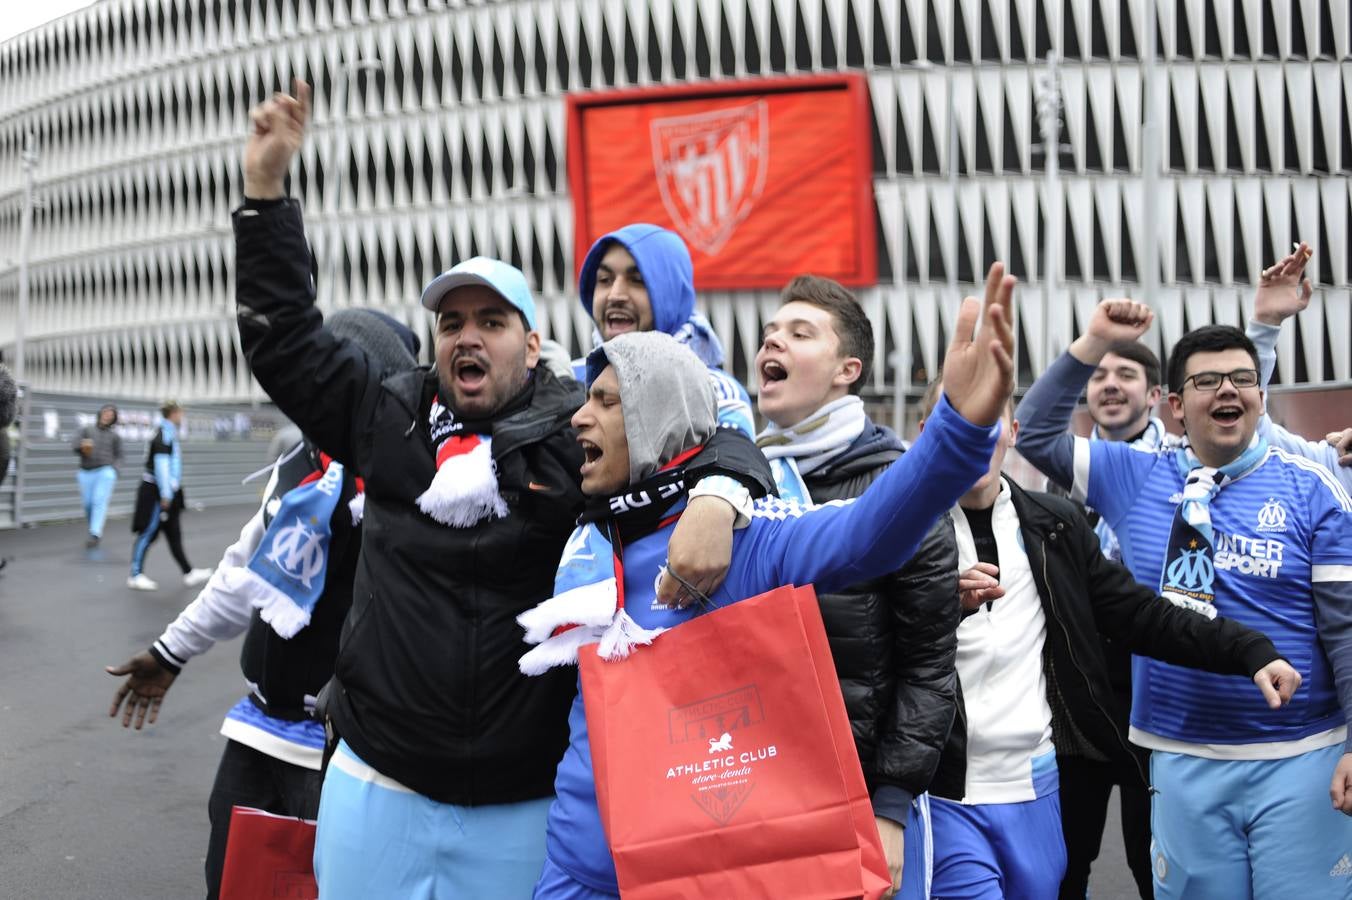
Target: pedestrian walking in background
160, 503
100, 450
9, 405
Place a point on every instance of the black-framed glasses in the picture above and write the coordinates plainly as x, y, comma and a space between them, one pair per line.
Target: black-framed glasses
1211, 381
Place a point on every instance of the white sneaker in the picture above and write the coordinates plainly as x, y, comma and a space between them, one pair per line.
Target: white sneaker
142, 583
196, 577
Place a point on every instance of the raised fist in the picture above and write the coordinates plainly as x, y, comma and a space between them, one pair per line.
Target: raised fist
1120, 321
277, 133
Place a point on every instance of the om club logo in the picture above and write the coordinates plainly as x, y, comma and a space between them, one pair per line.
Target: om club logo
1272, 517
1192, 572
711, 169
298, 551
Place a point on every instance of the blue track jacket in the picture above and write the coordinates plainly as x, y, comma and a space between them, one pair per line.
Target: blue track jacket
832, 545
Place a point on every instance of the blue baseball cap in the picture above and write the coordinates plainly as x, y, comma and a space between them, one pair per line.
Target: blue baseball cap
507, 281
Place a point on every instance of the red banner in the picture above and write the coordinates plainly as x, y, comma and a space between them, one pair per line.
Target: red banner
764, 179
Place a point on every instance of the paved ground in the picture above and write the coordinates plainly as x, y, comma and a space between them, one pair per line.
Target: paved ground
89, 811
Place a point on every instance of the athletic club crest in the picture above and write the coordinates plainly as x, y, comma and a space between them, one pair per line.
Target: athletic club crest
711, 169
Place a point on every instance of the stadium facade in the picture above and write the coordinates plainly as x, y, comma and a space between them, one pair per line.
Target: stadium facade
439, 133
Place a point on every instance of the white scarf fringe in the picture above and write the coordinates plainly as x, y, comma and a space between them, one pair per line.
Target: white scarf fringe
623, 635
275, 607
465, 490
587, 604
560, 650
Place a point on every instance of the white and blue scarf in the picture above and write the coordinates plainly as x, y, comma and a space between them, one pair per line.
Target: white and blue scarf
809, 445
1189, 576
285, 576
588, 602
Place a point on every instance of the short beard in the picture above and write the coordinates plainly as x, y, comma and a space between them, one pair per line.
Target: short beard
448, 396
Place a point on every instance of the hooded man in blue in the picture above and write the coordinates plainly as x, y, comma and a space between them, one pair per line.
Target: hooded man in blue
646, 413
640, 278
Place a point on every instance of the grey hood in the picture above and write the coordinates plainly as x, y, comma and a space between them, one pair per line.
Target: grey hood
665, 395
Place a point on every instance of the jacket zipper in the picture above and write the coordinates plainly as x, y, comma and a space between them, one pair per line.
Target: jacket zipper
1051, 598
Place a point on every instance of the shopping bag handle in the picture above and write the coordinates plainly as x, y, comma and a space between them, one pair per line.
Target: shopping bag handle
695, 593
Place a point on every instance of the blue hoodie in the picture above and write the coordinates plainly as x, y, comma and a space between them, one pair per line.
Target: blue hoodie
832, 545
669, 276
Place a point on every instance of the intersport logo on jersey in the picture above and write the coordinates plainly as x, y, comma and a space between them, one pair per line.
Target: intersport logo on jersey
1248, 555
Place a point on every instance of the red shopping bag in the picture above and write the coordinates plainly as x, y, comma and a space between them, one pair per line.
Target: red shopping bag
268, 856
724, 762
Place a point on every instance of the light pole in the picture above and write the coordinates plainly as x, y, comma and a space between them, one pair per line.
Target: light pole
30, 162
1149, 275
1049, 118
339, 108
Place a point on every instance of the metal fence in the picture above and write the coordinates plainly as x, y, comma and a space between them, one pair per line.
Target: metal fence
221, 446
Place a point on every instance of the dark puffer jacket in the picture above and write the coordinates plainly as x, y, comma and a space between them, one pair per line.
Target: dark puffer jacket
427, 686
1084, 594
894, 641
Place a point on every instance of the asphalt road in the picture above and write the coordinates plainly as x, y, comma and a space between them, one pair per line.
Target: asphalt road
90, 811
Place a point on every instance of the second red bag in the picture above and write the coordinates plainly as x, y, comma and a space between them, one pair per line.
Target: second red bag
269, 856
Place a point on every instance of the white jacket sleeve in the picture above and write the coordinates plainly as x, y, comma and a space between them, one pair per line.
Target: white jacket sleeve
217, 614
1264, 339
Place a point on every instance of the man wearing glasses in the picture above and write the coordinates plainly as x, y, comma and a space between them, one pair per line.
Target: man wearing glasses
1247, 799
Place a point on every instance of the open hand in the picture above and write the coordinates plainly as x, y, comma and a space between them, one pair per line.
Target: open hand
1283, 290
143, 691
277, 133
979, 366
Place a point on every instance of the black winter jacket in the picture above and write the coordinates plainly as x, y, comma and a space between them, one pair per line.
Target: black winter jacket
1083, 594
427, 686
894, 640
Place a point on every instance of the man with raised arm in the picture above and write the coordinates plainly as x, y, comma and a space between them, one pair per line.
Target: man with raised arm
1247, 798
443, 775
1121, 397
